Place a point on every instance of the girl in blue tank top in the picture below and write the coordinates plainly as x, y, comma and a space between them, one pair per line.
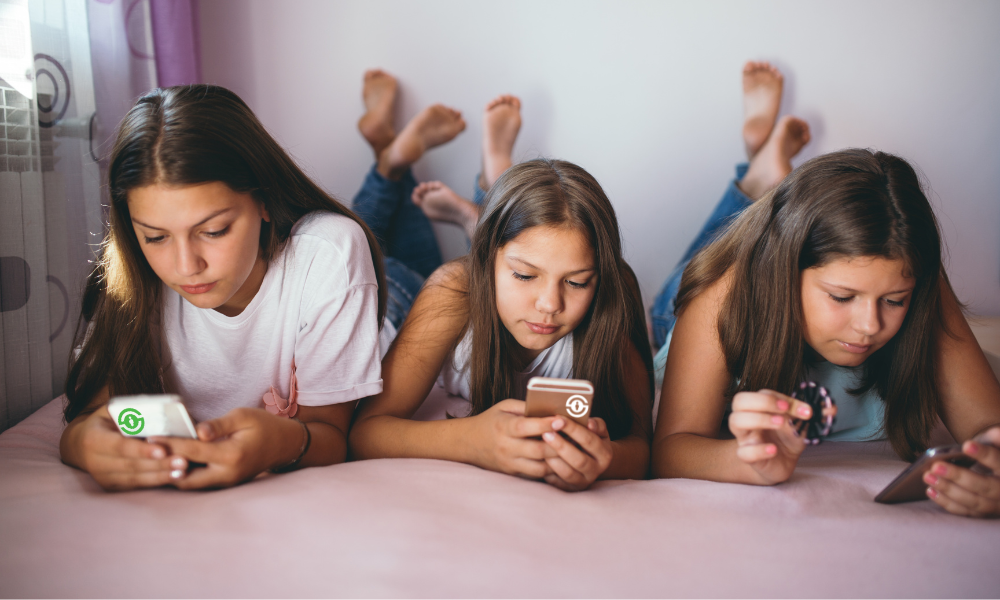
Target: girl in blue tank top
835, 276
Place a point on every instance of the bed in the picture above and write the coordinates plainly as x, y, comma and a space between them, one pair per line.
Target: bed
426, 528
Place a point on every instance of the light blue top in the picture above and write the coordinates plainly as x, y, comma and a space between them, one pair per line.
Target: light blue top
859, 418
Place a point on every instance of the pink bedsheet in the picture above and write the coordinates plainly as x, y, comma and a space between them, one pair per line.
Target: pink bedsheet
430, 528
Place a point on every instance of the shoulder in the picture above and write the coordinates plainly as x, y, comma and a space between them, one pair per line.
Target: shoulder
334, 243
330, 228
451, 276
442, 307
710, 300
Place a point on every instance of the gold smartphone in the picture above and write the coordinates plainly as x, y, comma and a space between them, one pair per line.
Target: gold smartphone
571, 398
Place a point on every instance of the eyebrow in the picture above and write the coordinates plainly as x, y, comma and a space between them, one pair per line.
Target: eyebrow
854, 291
201, 222
531, 266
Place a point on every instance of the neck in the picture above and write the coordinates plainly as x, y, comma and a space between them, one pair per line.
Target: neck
242, 298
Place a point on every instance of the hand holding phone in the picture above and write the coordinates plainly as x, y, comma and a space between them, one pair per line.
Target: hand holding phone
909, 485
970, 492
581, 444
950, 470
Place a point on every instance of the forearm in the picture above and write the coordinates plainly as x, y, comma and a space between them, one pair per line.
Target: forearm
70, 449
630, 460
691, 456
385, 436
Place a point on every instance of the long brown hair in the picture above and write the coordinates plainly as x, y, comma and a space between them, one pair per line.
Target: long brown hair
556, 193
183, 135
850, 203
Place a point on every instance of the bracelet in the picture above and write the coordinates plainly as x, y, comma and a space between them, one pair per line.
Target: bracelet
305, 448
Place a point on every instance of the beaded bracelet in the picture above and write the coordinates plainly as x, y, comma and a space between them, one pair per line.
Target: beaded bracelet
305, 448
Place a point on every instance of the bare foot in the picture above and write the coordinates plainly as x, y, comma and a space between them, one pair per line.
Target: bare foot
435, 125
379, 93
501, 122
774, 160
440, 203
762, 85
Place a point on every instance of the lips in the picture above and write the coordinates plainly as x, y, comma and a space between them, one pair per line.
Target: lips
542, 328
200, 288
855, 348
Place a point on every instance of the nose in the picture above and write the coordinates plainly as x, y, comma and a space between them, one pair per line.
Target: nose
550, 300
867, 320
188, 259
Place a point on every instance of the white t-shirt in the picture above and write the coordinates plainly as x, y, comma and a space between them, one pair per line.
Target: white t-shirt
554, 361
318, 305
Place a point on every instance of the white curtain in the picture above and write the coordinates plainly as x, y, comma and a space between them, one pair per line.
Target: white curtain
55, 131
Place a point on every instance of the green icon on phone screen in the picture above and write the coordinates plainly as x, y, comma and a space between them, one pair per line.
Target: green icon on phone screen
131, 421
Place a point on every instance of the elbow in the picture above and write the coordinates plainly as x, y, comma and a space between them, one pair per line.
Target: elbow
660, 466
360, 444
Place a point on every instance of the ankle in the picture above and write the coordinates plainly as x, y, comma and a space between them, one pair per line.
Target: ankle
753, 186
387, 169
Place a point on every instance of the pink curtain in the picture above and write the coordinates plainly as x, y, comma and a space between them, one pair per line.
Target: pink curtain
175, 38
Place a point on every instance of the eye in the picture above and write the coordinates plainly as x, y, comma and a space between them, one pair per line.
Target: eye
840, 299
217, 234
578, 285
153, 240
522, 277
894, 302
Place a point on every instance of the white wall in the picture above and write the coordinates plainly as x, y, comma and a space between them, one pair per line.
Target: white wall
645, 95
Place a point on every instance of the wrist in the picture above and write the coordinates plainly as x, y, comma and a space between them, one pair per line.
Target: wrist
297, 446
474, 444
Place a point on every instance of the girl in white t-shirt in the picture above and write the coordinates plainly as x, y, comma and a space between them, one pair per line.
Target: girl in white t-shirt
230, 278
544, 290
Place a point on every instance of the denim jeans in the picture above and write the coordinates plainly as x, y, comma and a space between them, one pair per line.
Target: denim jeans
733, 202
405, 235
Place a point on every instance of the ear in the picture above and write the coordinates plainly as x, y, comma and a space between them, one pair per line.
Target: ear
263, 212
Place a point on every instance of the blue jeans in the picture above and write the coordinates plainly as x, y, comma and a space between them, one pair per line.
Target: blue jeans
733, 202
405, 235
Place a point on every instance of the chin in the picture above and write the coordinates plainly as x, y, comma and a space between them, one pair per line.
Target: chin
846, 359
206, 301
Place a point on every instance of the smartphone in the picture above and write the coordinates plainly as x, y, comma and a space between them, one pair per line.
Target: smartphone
152, 415
910, 486
571, 398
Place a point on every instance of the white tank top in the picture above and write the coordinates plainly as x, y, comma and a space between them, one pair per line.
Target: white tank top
555, 361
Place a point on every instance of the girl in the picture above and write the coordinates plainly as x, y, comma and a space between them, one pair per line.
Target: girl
227, 276
834, 276
543, 291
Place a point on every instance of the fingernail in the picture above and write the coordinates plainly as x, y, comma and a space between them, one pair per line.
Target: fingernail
933, 493
177, 463
176, 474
782, 405
804, 411
971, 448
558, 424
777, 419
548, 436
159, 453
771, 450
940, 469
930, 479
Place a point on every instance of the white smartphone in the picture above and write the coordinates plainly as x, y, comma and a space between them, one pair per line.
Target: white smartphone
152, 415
